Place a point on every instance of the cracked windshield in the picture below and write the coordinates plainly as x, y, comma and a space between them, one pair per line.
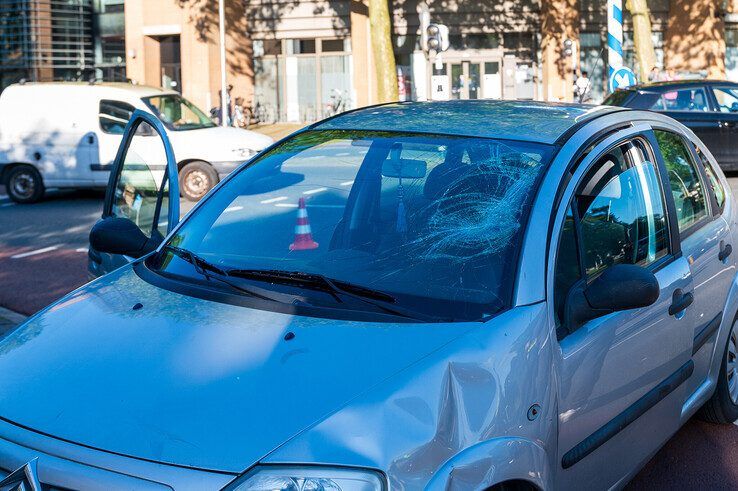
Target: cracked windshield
426, 223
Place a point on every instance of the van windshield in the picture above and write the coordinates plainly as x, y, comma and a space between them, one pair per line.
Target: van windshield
177, 113
433, 222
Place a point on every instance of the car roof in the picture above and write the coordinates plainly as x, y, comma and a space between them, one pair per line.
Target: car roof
133, 89
544, 122
674, 84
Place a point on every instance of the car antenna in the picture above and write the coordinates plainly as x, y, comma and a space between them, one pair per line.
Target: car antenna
589, 82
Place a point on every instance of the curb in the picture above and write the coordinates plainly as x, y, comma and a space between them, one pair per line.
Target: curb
9, 319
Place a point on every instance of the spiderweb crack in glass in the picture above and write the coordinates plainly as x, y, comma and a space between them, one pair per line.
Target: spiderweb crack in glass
488, 219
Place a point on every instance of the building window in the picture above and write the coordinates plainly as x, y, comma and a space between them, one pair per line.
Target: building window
310, 81
300, 46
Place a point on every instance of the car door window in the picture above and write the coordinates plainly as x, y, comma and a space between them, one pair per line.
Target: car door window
713, 180
686, 185
727, 99
616, 217
114, 116
683, 100
136, 194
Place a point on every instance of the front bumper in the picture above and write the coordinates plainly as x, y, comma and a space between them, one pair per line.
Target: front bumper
66, 465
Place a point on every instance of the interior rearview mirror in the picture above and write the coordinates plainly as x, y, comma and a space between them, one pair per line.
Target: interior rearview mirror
620, 287
121, 236
404, 168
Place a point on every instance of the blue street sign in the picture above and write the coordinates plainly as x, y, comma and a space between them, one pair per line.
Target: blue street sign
622, 77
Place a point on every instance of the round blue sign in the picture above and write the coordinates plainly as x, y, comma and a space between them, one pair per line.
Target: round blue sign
621, 78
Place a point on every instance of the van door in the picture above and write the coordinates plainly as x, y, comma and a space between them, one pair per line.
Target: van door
140, 188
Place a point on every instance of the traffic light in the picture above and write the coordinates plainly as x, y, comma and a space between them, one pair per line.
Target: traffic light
437, 38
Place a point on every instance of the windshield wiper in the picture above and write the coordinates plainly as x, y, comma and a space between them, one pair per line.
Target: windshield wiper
376, 298
211, 271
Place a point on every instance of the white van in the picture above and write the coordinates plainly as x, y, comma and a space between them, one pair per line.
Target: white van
66, 135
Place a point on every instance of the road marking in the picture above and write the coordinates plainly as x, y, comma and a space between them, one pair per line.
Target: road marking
5, 205
315, 191
232, 208
81, 249
33, 253
4, 196
286, 205
347, 183
273, 200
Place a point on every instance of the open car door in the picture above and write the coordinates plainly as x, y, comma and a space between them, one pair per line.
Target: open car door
141, 200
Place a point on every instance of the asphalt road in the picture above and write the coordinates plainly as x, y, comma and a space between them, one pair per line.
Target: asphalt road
43, 255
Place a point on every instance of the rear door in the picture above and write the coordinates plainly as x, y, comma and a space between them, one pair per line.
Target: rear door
140, 188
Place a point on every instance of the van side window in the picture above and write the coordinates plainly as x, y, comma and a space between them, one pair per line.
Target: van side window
713, 181
114, 116
686, 186
616, 217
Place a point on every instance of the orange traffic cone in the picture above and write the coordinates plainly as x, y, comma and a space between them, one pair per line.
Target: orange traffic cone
303, 236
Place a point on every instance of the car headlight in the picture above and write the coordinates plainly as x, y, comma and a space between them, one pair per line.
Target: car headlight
244, 152
308, 478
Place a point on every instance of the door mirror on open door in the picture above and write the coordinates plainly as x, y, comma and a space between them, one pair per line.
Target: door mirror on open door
139, 209
620, 287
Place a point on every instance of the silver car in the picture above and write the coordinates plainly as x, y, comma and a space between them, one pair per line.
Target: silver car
464, 295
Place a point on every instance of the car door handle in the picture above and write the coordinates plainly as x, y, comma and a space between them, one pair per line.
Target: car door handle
725, 251
680, 301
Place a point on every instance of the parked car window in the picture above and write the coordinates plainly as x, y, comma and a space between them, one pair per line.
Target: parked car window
727, 99
686, 186
717, 187
432, 220
114, 116
137, 189
682, 100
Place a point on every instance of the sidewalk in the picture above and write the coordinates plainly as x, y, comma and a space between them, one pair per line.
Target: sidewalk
9, 319
276, 130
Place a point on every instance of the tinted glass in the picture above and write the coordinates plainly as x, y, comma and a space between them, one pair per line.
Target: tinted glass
686, 186
727, 99
137, 188
114, 116
621, 213
567, 264
683, 100
432, 220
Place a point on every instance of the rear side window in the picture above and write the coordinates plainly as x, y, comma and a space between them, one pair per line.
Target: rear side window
684, 178
713, 180
727, 99
114, 116
616, 217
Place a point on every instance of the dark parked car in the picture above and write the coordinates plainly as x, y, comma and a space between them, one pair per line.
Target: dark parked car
707, 107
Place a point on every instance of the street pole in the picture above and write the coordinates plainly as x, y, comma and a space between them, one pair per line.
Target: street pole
223, 88
614, 35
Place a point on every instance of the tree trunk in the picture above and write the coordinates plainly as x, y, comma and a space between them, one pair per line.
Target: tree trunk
384, 57
645, 55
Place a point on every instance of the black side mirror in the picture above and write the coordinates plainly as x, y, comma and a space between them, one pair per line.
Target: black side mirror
620, 287
121, 236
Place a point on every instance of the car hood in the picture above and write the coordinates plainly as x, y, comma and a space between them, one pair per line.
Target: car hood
188, 381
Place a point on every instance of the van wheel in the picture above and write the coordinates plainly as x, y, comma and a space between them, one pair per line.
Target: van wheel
722, 407
24, 184
196, 179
